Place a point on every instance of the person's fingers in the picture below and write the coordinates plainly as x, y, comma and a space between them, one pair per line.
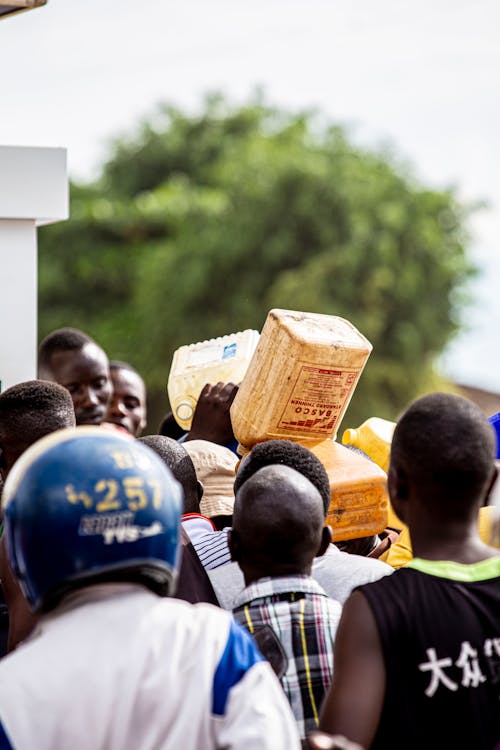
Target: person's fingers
206, 390
322, 741
232, 390
225, 391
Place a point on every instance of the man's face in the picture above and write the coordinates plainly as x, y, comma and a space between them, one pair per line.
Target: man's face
85, 374
127, 407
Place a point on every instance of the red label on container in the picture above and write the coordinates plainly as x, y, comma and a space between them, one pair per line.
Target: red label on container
318, 399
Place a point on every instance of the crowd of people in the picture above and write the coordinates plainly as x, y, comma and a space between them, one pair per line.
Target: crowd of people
162, 592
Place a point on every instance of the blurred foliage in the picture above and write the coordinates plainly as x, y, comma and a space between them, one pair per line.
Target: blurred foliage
199, 225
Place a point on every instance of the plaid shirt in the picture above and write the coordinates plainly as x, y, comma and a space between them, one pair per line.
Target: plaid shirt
305, 619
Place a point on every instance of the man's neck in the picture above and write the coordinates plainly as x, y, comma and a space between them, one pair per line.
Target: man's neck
251, 575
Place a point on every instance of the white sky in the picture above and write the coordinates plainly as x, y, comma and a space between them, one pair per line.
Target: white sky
422, 77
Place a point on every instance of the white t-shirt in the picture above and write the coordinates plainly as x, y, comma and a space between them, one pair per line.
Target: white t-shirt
115, 667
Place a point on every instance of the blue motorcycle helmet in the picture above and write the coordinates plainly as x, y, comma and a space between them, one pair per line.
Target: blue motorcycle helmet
86, 505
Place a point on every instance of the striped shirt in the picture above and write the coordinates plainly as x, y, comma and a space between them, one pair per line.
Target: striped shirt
305, 619
212, 548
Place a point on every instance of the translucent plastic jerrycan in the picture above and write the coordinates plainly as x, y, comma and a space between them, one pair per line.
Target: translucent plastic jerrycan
359, 500
225, 359
300, 380
374, 437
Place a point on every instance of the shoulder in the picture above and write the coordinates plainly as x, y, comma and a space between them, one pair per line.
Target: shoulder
4, 740
198, 618
239, 656
395, 593
335, 559
212, 548
321, 601
228, 582
237, 646
339, 572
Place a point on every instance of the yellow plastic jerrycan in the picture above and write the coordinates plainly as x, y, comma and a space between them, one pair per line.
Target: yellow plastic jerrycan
374, 438
489, 517
301, 379
224, 359
359, 500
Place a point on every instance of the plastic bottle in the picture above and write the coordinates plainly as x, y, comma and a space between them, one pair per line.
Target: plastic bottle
300, 380
225, 359
359, 501
374, 437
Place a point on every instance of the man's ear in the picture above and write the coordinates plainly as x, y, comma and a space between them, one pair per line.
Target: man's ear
326, 539
397, 484
234, 545
200, 489
399, 490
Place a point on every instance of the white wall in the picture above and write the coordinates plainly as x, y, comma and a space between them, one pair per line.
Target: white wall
18, 301
33, 191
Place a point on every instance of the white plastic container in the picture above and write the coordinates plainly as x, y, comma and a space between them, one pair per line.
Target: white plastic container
300, 380
225, 359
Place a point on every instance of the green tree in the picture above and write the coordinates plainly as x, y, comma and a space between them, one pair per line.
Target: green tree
199, 225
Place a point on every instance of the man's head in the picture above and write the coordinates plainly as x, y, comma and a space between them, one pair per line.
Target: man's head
178, 460
85, 506
72, 359
127, 407
442, 454
28, 411
277, 524
286, 453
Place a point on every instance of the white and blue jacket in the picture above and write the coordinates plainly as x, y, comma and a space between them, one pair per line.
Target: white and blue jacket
115, 667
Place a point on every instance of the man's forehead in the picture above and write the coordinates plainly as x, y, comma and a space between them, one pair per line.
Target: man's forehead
127, 381
89, 358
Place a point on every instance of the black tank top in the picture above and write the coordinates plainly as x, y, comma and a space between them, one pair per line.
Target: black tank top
440, 635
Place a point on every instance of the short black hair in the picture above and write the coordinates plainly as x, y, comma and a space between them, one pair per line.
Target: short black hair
117, 364
61, 340
180, 463
35, 408
446, 445
287, 453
